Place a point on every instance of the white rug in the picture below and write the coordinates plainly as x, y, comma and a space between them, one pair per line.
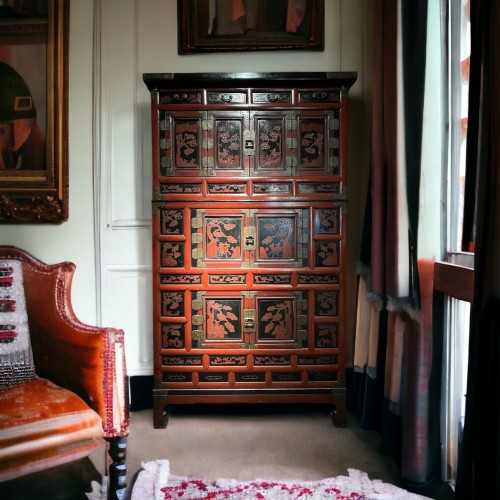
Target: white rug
156, 483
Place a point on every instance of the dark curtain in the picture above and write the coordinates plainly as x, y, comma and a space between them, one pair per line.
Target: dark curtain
479, 460
399, 393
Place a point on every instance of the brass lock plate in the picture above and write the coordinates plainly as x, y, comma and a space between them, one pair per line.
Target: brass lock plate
249, 238
249, 316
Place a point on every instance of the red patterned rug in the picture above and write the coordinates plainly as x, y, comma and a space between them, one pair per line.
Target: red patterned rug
155, 482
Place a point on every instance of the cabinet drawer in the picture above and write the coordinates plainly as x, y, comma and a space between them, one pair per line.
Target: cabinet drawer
226, 97
250, 377
287, 377
177, 377
319, 96
322, 376
180, 98
281, 97
213, 377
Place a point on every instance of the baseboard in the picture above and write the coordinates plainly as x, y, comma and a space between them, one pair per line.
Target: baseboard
141, 392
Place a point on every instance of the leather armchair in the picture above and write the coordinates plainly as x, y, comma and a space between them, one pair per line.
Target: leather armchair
87, 361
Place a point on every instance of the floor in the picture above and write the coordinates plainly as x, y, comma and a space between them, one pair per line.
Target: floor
241, 442
261, 441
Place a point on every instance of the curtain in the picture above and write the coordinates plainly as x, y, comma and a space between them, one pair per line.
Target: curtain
479, 460
397, 359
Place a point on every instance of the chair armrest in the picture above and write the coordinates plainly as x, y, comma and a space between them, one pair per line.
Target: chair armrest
89, 362
85, 359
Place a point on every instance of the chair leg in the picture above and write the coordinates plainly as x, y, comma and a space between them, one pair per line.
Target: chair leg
116, 467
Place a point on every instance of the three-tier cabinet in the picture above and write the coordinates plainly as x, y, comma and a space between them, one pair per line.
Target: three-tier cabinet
249, 218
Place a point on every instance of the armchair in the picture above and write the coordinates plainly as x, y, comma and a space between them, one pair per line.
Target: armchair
77, 394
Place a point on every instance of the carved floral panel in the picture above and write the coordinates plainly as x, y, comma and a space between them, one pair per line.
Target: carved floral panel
270, 143
223, 318
173, 336
187, 143
277, 237
276, 319
223, 237
228, 141
327, 254
172, 304
327, 221
326, 335
326, 303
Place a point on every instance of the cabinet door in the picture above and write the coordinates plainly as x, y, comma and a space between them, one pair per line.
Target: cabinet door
298, 143
249, 319
226, 146
318, 143
236, 143
249, 237
181, 136
201, 144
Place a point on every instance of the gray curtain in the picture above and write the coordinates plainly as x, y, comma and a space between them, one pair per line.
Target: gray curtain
479, 460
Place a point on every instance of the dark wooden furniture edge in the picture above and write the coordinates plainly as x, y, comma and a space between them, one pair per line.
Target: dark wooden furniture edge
454, 280
256, 80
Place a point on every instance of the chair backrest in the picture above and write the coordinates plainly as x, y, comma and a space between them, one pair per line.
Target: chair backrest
16, 356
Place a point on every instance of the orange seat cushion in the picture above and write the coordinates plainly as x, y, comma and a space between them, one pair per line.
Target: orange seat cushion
43, 425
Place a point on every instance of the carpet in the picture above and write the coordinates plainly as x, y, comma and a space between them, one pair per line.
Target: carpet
155, 482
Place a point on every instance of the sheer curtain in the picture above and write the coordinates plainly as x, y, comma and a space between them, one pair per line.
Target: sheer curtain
397, 359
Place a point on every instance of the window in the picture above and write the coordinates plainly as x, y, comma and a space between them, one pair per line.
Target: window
459, 238
459, 59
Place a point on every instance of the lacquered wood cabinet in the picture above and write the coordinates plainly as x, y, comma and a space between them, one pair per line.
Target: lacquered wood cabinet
249, 218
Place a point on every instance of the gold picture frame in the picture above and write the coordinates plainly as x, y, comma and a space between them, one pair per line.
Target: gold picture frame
249, 25
34, 112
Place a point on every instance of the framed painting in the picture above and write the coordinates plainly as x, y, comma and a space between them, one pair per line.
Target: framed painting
249, 25
33, 111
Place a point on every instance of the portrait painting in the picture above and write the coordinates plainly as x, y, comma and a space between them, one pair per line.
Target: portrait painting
250, 25
33, 111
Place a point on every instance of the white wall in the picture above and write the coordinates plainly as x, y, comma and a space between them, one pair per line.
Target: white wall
108, 232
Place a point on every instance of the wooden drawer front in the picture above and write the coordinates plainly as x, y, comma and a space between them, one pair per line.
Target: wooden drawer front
319, 96
250, 377
182, 360
226, 98
272, 97
177, 377
250, 190
317, 360
323, 376
213, 377
228, 360
268, 379
181, 98
287, 376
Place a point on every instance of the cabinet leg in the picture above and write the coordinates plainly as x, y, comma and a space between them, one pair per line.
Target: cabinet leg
339, 416
160, 416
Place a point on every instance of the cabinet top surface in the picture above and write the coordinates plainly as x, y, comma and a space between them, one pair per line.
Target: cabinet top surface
160, 81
